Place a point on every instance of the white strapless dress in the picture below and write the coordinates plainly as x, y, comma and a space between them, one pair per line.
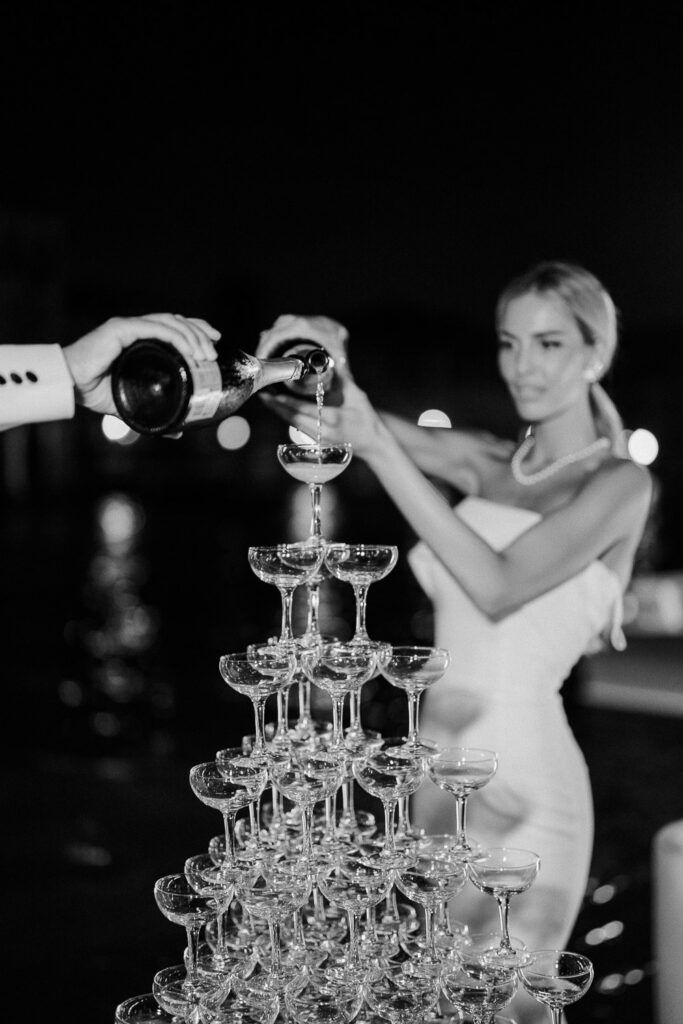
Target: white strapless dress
501, 692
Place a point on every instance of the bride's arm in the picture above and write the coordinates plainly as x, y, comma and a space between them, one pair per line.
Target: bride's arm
453, 455
609, 511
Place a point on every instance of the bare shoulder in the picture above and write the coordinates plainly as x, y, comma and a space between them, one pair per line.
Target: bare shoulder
628, 477
625, 487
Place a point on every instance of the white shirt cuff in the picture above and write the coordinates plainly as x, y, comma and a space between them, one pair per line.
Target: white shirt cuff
35, 385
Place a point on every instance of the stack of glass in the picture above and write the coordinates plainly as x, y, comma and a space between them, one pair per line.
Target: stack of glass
304, 908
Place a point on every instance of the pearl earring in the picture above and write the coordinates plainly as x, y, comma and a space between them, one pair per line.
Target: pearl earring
592, 373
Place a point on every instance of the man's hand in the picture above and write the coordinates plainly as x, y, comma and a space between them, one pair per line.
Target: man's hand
89, 359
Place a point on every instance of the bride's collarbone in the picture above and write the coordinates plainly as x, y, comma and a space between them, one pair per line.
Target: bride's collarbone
544, 497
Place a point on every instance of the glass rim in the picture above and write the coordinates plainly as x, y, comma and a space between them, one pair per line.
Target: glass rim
531, 968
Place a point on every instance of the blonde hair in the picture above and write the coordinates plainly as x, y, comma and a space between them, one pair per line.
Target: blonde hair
597, 319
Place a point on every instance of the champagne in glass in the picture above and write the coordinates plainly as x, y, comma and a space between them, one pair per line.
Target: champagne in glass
315, 465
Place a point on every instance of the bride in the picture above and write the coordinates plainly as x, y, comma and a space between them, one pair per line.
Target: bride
524, 575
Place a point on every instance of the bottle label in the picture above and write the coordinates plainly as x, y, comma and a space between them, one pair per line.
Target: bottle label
206, 390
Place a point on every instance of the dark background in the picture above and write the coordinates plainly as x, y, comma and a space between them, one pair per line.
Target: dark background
390, 167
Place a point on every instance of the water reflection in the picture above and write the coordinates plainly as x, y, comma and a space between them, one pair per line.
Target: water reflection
115, 692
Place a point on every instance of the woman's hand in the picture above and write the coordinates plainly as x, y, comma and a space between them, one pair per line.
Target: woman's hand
355, 421
89, 359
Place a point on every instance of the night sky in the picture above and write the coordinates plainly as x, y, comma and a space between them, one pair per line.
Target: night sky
391, 166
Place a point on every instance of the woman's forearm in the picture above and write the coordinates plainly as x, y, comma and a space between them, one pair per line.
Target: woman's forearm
438, 452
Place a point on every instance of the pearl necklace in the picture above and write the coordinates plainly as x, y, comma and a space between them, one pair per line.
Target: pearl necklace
527, 479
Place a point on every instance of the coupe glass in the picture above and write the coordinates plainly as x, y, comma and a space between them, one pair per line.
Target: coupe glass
353, 886
338, 669
323, 995
315, 465
360, 565
431, 881
478, 991
258, 684
181, 904
228, 793
502, 873
402, 993
210, 880
141, 1010
286, 566
272, 895
556, 978
305, 778
186, 1002
270, 659
389, 775
236, 766
414, 669
247, 1004
460, 770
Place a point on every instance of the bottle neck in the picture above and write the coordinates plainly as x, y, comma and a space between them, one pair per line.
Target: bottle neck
277, 371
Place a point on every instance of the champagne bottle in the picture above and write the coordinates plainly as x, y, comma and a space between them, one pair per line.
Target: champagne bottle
157, 391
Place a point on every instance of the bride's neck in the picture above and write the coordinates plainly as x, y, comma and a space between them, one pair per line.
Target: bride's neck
566, 432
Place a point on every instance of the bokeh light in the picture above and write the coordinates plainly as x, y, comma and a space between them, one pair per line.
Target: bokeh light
433, 418
117, 431
233, 433
298, 437
643, 446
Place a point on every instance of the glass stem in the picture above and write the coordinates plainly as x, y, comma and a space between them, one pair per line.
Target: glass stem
413, 717
220, 932
330, 817
229, 827
281, 731
404, 826
370, 924
429, 931
361, 592
316, 491
389, 808
287, 595
503, 910
555, 1015
304, 702
255, 821
306, 832
337, 720
318, 906
460, 822
313, 622
274, 929
276, 806
353, 939
192, 945
259, 725
353, 711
